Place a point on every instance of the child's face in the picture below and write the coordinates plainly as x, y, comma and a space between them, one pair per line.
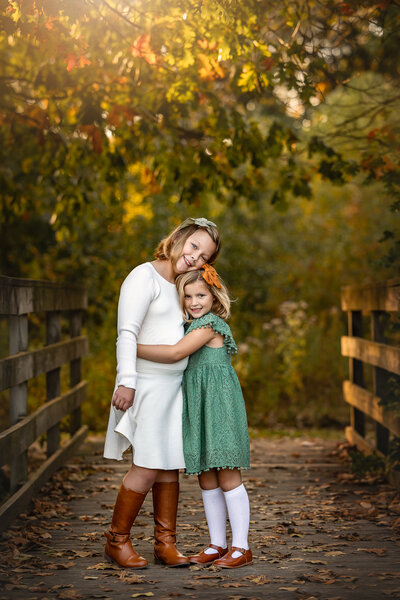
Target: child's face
198, 299
198, 248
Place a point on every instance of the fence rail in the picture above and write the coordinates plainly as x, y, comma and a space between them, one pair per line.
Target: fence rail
18, 299
377, 301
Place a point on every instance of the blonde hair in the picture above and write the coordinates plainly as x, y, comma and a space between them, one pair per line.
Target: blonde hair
170, 248
222, 302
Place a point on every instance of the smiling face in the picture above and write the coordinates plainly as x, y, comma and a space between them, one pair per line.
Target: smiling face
198, 299
196, 251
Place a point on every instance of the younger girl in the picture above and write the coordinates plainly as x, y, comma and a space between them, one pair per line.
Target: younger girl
215, 435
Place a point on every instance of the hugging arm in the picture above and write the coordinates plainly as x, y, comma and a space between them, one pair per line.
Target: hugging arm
169, 354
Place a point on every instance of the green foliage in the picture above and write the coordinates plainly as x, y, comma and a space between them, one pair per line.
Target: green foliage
370, 464
374, 464
394, 454
391, 398
277, 120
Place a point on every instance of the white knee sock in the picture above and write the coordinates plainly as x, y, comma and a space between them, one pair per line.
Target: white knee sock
238, 505
215, 509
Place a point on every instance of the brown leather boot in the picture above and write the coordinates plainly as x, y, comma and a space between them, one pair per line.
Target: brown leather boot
118, 548
165, 502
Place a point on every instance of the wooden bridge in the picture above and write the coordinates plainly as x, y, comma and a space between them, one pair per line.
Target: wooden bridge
317, 530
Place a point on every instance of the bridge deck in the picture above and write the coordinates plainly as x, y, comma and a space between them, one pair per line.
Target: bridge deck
316, 533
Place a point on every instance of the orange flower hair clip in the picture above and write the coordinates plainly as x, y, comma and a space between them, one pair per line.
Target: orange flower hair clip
210, 276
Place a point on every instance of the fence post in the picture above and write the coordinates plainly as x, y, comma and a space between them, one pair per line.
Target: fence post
53, 386
356, 370
380, 377
18, 336
75, 326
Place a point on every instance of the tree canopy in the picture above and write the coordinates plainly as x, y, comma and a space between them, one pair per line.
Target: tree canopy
111, 105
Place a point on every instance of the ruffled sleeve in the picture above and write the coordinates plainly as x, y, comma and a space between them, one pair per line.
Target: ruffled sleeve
218, 325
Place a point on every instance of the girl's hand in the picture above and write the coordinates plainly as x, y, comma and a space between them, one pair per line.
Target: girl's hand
123, 398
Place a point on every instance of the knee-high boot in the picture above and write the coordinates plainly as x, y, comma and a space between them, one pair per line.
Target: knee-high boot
165, 502
118, 548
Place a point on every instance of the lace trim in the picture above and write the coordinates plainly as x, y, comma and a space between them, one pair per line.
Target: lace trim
218, 469
219, 326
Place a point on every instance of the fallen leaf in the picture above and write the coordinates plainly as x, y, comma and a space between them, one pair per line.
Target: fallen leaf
59, 566
102, 567
133, 579
140, 594
69, 595
379, 551
258, 579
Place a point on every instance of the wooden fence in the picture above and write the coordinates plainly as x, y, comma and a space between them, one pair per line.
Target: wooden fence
375, 301
18, 298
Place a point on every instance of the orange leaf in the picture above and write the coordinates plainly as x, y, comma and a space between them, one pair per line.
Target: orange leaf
76, 62
141, 47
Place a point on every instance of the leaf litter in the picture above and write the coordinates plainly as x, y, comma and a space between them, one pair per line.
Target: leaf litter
323, 519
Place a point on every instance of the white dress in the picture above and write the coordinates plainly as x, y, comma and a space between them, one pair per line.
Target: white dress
148, 313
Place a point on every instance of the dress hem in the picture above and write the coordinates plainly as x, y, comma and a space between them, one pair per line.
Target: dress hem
218, 469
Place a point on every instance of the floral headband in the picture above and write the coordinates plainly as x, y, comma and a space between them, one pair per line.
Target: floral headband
210, 275
200, 222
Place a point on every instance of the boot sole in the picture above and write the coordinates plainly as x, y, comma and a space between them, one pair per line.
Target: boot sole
114, 562
158, 561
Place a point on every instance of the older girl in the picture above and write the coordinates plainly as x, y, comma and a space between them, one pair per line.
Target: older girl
146, 411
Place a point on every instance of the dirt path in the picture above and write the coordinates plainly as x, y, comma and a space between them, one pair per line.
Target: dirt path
316, 532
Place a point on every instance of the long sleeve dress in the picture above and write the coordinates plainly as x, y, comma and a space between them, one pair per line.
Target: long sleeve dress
148, 313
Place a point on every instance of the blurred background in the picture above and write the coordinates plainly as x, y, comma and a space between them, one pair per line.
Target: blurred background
278, 121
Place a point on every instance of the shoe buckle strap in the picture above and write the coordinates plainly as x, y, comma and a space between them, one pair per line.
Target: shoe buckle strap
217, 548
235, 548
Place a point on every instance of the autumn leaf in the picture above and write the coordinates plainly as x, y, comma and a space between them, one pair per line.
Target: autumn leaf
378, 551
69, 595
142, 48
76, 62
210, 67
258, 579
102, 566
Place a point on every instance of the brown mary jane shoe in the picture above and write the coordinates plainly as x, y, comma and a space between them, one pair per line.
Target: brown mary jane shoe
227, 562
206, 559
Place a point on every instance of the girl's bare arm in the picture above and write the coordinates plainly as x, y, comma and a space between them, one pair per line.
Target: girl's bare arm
169, 354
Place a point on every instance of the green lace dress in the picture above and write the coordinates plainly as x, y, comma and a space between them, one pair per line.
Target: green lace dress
214, 421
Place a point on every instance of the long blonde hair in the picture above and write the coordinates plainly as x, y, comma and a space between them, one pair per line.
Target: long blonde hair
222, 302
170, 248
